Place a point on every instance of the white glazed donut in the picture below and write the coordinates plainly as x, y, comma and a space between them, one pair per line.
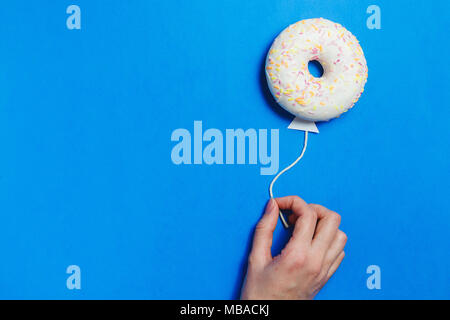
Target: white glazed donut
342, 59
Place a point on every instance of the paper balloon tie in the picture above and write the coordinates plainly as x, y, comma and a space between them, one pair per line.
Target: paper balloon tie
296, 124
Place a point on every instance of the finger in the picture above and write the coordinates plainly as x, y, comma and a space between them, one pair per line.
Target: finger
306, 218
327, 227
335, 249
262, 240
335, 265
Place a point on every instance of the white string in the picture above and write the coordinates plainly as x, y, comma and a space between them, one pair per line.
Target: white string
305, 143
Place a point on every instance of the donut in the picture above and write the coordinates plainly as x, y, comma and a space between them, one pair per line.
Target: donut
342, 59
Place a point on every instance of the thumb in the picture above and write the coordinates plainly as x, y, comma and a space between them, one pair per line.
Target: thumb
262, 240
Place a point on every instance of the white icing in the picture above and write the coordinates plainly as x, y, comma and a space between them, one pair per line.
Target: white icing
339, 53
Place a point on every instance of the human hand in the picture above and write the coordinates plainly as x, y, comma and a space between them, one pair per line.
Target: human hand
309, 259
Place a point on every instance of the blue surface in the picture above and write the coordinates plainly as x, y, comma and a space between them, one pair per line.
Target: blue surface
86, 176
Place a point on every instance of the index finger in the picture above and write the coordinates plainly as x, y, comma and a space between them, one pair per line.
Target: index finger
327, 226
306, 218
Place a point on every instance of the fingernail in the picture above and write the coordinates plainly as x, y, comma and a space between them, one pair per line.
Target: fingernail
270, 206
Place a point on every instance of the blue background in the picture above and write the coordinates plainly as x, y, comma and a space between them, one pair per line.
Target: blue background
86, 176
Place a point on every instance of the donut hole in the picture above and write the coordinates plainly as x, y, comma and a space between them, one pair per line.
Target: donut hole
315, 68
